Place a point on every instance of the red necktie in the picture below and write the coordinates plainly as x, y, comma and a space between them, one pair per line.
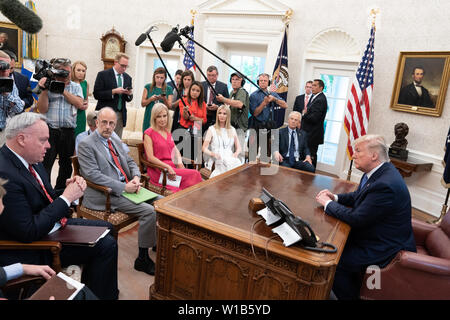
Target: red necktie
63, 221
116, 160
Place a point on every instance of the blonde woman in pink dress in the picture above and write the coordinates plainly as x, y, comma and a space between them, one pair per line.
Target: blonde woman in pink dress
160, 149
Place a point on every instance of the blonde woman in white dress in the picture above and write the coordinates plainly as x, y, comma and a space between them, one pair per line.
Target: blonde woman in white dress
221, 144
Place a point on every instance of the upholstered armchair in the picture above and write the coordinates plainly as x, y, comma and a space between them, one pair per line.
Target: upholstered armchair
118, 219
424, 275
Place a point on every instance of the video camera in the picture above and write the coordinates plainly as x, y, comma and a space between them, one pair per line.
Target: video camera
6, 84
43, 69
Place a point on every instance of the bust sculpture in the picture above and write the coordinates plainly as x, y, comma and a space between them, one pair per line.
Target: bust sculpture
401, 131
398, 147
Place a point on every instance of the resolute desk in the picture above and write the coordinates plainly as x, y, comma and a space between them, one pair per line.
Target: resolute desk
209, 246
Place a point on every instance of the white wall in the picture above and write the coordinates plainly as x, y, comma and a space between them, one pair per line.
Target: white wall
72, 28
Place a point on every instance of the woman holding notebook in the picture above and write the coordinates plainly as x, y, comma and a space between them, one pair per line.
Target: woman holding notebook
160, 149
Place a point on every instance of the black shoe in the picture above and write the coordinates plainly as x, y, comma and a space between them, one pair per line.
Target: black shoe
147, 266
154, 249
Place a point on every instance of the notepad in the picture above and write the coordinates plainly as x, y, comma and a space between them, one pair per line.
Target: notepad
143, 195
59, 286
174, 183
77, 235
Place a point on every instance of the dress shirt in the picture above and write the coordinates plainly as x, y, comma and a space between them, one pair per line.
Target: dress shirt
105, 143
256, 98
61, 114
418, 87
10, 104
83, 135
13, 271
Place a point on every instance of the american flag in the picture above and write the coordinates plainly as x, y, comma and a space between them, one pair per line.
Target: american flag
188, 63
358, 104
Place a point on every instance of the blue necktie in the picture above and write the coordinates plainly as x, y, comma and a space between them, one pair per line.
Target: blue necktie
292, 149
363, 181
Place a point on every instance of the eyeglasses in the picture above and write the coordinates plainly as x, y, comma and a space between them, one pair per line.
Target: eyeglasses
123, 65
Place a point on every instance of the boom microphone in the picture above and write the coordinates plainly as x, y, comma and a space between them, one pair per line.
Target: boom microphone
143, 36
169, 40
20, 15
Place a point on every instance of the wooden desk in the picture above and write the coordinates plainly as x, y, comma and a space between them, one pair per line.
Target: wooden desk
406, 168
205, 239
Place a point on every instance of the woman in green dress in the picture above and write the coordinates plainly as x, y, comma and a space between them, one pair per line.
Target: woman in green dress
79, 76
157, 91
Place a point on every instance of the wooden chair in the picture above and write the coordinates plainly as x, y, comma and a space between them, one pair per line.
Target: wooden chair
118, 219
145, 179
20, 288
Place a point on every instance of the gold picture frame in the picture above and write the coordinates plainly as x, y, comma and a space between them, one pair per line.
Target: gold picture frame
14, 40
427, 95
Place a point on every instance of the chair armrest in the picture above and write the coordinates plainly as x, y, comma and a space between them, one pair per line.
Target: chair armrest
431, 264
105, 190
156, 166
421, 230
53, 246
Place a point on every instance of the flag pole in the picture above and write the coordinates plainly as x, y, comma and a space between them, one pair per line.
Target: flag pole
349, 173
444, 209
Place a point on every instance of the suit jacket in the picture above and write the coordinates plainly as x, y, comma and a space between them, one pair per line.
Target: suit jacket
408, 95
28, 214
23, 85
299, 103
222, 89
312, 120
302, 148
104, 84
379, 214
97, 166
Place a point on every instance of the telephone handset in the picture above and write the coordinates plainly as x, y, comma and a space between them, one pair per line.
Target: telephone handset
301, 227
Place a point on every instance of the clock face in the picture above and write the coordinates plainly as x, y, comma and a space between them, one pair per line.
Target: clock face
112, 47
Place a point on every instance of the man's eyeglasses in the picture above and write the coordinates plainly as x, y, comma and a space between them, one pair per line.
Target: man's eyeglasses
123, 65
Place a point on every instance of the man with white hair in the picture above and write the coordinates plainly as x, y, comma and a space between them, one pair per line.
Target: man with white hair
379, 213
33, 208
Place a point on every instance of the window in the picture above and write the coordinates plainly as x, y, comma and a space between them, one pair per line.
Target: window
250, 66
336, 88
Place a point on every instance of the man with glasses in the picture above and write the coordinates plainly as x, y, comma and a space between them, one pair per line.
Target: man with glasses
113, 88
61, 112
10, 102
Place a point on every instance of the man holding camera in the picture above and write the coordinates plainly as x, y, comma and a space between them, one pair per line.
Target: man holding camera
10, 102
60, 109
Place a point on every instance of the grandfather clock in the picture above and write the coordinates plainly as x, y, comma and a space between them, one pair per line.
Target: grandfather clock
112, 43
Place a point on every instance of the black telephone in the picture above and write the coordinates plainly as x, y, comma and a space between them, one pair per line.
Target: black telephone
301, 227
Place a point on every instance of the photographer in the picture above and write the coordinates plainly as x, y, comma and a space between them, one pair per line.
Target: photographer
61, 112
10, 102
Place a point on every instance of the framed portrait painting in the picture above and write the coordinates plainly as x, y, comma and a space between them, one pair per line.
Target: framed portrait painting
421, 82
11, 39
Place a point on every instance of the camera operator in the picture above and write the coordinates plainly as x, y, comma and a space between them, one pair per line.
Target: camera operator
61, 112
262, 108
10, 102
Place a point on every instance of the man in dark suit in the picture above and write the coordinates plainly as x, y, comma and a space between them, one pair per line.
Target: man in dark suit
113, 88
294, 152
33, 209
379, 213
314, 117
302, 100
22, 82
414, 94
210, 97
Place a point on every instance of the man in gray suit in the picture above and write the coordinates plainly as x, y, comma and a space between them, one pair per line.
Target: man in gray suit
104, 162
